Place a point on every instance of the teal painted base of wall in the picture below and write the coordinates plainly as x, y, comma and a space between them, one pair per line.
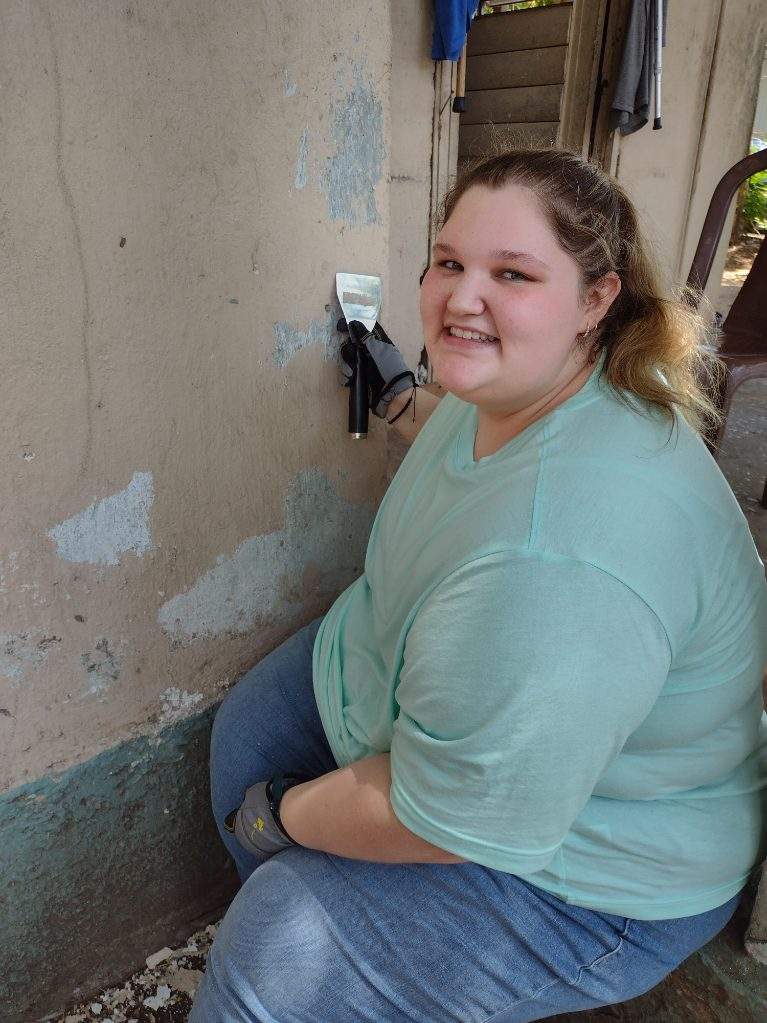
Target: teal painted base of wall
96, 874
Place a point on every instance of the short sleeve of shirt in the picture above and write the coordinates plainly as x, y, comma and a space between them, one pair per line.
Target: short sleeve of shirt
523, 675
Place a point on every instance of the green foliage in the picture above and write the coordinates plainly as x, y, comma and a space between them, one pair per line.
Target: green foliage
521, 5
755, 204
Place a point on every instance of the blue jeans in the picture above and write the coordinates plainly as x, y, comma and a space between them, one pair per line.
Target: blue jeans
317, 938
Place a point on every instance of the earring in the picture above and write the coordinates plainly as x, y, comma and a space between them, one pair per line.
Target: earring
581, 339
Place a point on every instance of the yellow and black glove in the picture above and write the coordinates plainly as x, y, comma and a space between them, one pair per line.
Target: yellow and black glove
256, 823
386, 371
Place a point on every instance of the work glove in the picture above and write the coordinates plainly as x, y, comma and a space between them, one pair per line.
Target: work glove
254, 825
384, 363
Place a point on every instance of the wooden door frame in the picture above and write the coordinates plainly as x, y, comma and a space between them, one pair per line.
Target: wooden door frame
594, 53
444, 143
584, 51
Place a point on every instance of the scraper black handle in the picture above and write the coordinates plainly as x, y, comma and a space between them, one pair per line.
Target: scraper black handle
358, 392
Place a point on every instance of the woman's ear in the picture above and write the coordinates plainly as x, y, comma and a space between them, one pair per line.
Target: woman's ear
602, 294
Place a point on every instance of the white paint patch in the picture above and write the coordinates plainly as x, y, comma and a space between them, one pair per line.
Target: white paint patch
159, 999
23, 652
158, 957
110, 527
264, 576
303, 152
176, 704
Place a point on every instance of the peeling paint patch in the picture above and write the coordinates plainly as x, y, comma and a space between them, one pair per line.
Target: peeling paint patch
266, 574
176, 704
289, 340
353, 170
303, 152
111, 527
290, 87
102, 667
24, 651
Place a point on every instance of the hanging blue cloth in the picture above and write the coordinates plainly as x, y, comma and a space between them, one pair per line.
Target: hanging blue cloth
452, 21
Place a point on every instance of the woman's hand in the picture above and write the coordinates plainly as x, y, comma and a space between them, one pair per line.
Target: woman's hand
383, 362
254, 826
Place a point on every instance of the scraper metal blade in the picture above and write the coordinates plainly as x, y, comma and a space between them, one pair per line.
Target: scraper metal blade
360, 297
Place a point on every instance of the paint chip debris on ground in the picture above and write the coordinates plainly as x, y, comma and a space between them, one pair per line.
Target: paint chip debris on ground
160, 993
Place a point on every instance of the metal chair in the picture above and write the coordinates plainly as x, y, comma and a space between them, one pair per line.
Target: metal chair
743, 348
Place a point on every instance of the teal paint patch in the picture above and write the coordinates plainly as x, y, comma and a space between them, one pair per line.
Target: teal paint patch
355, 167
110, 527
263, 578
96, 874
303, 152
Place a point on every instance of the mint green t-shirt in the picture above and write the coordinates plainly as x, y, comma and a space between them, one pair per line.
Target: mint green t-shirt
561, 646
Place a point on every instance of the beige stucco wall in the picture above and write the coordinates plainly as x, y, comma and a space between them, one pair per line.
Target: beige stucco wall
711, 70
181, 183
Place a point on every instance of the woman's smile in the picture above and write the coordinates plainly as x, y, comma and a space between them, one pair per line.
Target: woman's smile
465, 339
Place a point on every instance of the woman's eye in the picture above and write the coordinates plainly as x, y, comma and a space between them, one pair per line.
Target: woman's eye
450, 264
514, 274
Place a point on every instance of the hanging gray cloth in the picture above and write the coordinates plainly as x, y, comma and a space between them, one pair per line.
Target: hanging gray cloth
631, 99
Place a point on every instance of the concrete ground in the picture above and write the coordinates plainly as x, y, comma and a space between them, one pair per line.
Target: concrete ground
743, 455
162, 992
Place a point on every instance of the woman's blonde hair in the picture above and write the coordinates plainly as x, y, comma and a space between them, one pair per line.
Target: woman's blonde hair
656, 345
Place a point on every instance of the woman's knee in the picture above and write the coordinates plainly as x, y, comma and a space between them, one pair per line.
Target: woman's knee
233, 758
225, 722
272, 949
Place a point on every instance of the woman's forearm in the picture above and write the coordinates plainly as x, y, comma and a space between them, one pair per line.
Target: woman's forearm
426, 399
348, 813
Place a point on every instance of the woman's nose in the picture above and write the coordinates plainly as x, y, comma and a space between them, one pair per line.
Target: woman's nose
465, 297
